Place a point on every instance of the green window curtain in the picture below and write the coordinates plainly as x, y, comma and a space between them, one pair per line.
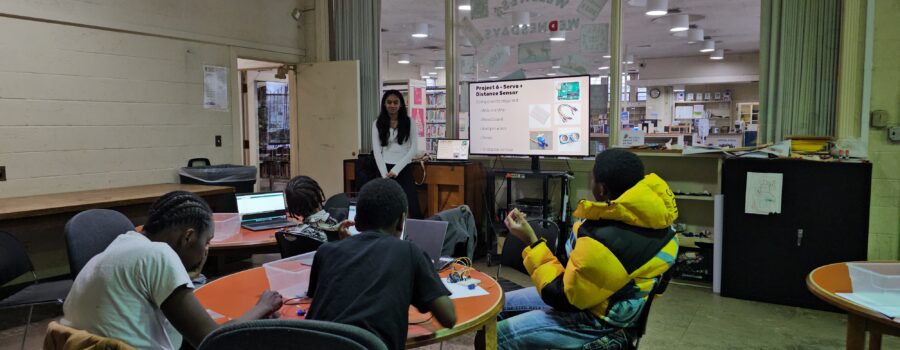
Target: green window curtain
799, 50
356, 27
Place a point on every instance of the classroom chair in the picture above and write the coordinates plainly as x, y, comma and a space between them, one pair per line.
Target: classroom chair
14, 262
61, 337
89, 233
461, 231
511, 255
291, 334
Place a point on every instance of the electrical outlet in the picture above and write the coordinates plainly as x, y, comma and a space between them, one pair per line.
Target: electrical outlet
218, 140
894, 134
2, 173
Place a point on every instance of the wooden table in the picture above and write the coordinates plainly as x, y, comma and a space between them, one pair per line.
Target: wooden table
824, 282
38, 221
234, 294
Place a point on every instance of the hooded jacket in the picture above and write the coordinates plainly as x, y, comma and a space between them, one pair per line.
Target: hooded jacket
621, 248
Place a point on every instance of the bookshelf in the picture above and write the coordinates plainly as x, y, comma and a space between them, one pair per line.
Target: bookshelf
435, 118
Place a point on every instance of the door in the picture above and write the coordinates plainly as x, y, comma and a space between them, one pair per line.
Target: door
328, 121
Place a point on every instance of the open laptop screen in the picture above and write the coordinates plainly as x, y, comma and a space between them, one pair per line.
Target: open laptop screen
257, 203
453, 150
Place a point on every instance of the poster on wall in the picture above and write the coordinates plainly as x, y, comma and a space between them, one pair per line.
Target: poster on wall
215, 88
417, 111
595, 38
417, 96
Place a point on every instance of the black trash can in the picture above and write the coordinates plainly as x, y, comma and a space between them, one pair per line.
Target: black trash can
242, 178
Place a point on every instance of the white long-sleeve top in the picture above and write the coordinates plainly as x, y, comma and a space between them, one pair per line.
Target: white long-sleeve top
393, 153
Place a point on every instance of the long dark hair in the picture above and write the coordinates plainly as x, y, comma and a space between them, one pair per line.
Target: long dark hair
384, 120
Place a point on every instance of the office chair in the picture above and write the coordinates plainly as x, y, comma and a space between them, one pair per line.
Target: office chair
89, 233
337, 201
291, 334
292, 245
14, 262
513, 247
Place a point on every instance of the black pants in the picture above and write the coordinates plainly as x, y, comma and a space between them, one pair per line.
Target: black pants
405, 179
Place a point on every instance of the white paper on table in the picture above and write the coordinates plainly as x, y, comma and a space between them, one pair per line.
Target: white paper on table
459, 291
885, 303
763, 195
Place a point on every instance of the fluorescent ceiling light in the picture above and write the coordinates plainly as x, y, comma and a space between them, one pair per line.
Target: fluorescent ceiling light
551, 74
603, 68
607, 56
404, 58
719, 54
465, 5
558, 35
421, 30
680, 23
629, 59
439, 64
494, 77
695, 35
657, 7
678, 88
554, 64
708, 46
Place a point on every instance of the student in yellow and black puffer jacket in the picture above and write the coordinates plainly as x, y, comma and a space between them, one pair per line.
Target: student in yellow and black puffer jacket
618, 250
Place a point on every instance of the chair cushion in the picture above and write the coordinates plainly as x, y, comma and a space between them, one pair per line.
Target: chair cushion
40, 293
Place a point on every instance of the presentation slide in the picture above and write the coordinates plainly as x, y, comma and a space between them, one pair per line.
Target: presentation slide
540, 116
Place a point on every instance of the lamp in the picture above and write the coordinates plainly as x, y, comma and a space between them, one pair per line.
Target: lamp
695, 35
404, 58
657, 7
680, 23
708, 46
719, 54
521, 18
421, 30
558, 35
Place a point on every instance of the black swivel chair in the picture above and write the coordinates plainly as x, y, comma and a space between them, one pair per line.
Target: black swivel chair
291, 334
89, 233
14, 262
512, 246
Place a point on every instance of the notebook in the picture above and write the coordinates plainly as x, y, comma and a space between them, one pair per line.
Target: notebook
262, 211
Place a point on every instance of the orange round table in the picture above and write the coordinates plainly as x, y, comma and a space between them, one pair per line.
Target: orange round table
234, 294
825, 281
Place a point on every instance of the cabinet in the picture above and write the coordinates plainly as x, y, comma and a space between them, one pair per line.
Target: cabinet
824, 219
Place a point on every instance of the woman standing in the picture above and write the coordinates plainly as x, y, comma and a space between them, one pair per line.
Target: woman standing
394, 139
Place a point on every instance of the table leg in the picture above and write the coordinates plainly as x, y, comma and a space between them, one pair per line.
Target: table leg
874, 340
486, 338
856, 332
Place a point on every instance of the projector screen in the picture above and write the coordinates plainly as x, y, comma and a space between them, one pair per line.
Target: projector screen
543, 116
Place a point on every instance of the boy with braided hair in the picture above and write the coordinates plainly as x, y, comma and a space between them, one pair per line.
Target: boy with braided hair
139, 291
304, 200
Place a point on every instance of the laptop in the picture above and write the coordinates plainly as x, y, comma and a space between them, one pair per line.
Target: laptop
263, 211
428, 235
452, 150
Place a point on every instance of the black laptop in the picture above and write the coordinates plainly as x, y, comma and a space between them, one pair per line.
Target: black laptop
263, 211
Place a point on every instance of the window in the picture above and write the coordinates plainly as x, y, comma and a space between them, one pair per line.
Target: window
641, 94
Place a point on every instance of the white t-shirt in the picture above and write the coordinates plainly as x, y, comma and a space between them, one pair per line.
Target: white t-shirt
393, 153
119, 292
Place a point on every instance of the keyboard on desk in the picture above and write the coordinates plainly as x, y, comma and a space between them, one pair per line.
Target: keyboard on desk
267, 225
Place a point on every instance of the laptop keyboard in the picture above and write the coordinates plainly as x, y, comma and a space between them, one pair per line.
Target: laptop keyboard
271, 223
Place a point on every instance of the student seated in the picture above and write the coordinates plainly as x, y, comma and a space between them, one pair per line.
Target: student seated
369, 280
305, 200
139, 289
616, 253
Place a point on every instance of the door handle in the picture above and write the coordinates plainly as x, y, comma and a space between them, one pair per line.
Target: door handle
799, 237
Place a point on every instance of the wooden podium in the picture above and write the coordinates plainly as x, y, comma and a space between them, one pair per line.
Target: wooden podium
445, 185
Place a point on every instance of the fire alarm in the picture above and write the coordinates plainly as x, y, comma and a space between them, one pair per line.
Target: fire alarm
553, 25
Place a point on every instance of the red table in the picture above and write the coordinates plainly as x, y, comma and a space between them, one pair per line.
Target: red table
824, 282
234, 294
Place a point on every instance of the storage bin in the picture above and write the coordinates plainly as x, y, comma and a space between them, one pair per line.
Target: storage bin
875, 278
290, 276
227, 225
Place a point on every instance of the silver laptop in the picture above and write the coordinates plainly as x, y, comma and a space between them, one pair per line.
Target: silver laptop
428, 235
452, 150
262, 211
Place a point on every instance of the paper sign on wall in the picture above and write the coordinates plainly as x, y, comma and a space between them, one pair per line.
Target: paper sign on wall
595, 38
631, 138
763, 195
591, 8
215, 88
684, 112
463, 121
